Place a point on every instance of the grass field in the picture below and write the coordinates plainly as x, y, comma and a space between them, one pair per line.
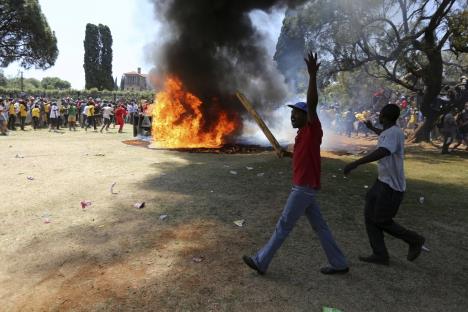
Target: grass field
114, 257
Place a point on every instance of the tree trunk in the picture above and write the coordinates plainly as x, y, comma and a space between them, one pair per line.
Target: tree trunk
423, 132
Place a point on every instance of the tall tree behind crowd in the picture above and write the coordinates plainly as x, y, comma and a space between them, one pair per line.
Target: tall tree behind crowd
25, 35
98, 57
397, 40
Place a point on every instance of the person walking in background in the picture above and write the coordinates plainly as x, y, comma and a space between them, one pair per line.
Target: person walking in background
11, 115
35, 113
23, 113
54, 117
107, 112
120, 114
384, 197
306, 182
72, 112
3, 118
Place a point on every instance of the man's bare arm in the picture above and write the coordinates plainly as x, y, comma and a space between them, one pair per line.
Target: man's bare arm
312, 95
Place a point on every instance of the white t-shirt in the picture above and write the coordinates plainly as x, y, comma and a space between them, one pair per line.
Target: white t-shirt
391, 169
86, 110
107, 112
54, 111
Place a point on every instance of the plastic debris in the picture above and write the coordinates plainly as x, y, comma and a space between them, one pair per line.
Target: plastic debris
47, 220
99, 154
261, 174
198, 259
239, 223
30, 178
425, 248
85, 204
19, 156
366, 186
333, 176
112, 188
226, 166
163, 217
233, 172
249, 168
327, 309
139, 205
421, 200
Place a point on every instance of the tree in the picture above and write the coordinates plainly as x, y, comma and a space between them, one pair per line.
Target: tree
98, 57
55, 83
400, 41
122, 83
116, 85
3, 79
25, 35
91, 56
106, 82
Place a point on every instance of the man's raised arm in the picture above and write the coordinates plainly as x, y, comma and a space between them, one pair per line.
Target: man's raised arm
312, 96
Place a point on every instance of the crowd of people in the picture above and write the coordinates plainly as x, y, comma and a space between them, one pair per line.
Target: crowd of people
53, 114
451, 126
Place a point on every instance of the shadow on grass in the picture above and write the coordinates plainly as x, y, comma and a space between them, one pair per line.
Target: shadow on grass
138, 262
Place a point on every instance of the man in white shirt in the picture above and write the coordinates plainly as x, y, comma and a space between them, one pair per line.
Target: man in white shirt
385, 196
107, 112
54, 117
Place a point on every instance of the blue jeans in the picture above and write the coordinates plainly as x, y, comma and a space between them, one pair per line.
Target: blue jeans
301, 201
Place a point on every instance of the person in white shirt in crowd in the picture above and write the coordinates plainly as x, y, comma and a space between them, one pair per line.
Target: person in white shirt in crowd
384, 198
54, 117
3, 118
107, 112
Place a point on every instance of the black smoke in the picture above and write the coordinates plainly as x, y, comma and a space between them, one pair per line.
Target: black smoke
212, 46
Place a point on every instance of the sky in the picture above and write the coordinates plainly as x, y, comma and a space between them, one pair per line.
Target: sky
132, 25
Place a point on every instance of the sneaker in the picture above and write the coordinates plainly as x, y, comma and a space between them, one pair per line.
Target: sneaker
251, 263
374, 259
330, 270
414, 250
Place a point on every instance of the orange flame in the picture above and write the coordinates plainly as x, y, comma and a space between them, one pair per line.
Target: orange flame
178, 120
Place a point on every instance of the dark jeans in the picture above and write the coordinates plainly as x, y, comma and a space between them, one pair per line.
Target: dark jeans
22, 122
91, 121
382, 203
35, 122
11, 122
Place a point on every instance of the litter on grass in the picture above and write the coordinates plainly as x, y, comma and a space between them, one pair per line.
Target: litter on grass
139, 205
261, 174
233, 172
239, 223
425, 248
421, 200
163, 217
366, 186
85, 203
249, 168
112, 188
198, 259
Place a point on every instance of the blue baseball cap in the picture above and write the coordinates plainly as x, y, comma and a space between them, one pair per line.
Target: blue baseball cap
299, 105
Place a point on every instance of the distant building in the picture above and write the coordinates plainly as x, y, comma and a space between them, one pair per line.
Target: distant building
134, 81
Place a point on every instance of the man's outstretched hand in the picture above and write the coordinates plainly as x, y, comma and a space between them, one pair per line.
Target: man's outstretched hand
349, 167
312, 63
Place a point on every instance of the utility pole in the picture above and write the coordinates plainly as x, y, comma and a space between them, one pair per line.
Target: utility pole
21, 80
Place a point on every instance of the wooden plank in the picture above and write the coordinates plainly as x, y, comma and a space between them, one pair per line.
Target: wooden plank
248, 106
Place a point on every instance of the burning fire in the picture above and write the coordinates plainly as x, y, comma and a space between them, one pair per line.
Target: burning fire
179, 122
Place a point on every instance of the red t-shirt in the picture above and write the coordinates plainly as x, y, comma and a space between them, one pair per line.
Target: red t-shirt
306, 156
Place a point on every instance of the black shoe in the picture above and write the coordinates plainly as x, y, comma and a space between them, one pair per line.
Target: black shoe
415, 249
249, 261
329, 270
374, 259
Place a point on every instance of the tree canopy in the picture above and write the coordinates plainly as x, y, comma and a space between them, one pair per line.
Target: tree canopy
54, 83
400, 41
25, 35
98, 57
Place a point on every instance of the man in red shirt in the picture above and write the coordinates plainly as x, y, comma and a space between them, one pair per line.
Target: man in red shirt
306, 183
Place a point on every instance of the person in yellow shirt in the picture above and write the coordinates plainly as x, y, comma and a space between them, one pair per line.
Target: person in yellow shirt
35, 113
23, 113
90, 119
47, 113
11, 115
